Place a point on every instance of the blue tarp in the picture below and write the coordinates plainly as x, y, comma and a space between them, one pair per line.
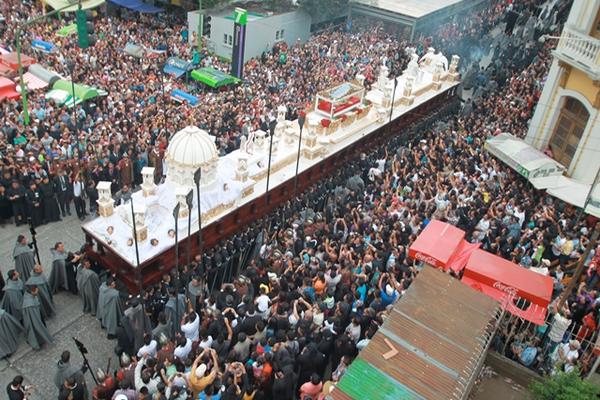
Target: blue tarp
138, 5
180, 96
42, 46
176, 66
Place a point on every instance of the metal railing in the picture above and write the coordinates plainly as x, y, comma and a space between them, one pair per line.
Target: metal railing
579, 49
514, 329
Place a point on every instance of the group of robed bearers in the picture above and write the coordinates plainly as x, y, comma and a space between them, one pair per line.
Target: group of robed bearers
28, 300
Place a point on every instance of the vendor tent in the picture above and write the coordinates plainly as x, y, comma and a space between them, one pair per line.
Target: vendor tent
525, 293
535, 166
138, 5
62, 92
181, 96
67, 30
44, 47
82, 92
39, 77
134, 50
575, 192
213, 77
85, 4
442, 245
8, 89
9, 63
176, 66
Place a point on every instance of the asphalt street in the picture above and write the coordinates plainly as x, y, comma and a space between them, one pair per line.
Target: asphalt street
38, 367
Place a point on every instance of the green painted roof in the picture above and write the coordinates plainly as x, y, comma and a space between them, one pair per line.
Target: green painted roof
364, 381
213, 77
252, 16
82, 92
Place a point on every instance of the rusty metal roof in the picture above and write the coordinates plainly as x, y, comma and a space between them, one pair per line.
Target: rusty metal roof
440, 329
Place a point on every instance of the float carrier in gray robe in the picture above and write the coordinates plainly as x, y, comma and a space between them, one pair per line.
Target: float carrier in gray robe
36, 332
24, 260
13, 298
58, 275
112, 311
44, 294
10, 331
88, 285
100, 306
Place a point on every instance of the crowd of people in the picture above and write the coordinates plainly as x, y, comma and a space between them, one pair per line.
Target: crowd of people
318, 275
114, 137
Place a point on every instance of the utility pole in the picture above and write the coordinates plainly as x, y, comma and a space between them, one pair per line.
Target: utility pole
18, 40
580, 266
200, 25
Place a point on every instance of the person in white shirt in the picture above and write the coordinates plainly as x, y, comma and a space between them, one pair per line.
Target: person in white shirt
262, 303
184, 346
78, 197
567, 353
206, 340
149, 347
190, 326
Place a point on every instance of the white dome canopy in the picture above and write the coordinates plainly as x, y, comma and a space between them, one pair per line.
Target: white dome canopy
192, 147
188, 150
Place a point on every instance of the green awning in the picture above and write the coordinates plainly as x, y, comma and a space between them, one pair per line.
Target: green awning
63, 4
82, 92
67, 30
213, 77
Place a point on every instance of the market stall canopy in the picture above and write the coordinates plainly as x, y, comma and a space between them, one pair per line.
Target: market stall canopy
134, 50
525, 293
82, 92
138, 5
44, 74
85, 4
9, 63
539, 169
442, 245
574, 192
8, 89
67, 30
213, 77
44, 47
181, 96
38, 77
62, 97
176, 66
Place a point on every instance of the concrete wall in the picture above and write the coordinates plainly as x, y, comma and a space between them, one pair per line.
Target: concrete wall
261, 33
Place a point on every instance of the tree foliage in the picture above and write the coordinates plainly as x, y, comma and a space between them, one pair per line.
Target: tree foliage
564, 386
324, 9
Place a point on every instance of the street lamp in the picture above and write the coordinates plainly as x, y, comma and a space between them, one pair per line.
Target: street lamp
176, 217
189, 200
197, 179
137, 251
71, 67
18, 43
393, 96
543, 39
301, 120
272, 132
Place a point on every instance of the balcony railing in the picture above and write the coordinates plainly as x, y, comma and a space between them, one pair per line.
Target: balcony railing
580, 50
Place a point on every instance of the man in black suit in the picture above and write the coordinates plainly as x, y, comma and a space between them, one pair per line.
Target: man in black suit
64, 189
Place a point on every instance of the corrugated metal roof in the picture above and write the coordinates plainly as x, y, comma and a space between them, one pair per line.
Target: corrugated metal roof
439, 329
